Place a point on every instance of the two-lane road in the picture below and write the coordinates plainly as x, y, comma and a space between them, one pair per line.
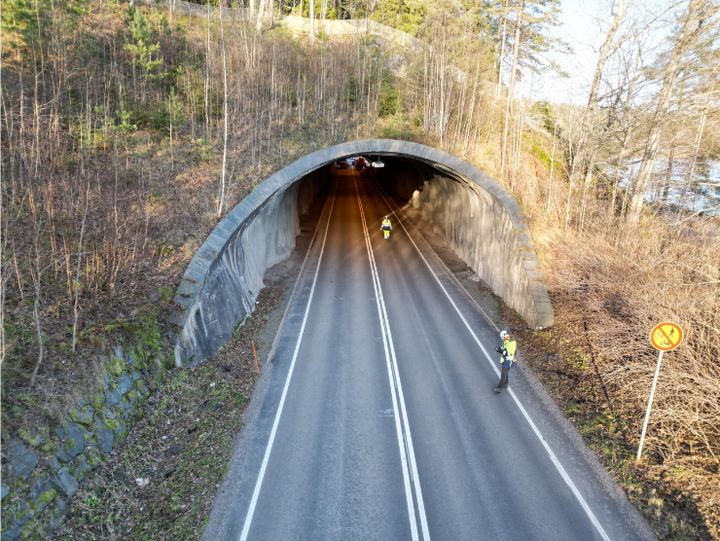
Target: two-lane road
379, 421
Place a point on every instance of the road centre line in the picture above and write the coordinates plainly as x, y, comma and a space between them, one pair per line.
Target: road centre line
266, 458
551, 454
404, 436
398, 427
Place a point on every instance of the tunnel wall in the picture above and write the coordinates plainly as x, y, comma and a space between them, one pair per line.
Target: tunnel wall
479, 229
241, 248
479, 218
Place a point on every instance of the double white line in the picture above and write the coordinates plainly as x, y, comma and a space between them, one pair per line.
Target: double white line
402, 426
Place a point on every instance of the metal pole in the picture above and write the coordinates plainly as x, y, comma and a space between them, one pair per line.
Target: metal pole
647, 415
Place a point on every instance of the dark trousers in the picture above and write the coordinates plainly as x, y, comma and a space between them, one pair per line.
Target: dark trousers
504, 378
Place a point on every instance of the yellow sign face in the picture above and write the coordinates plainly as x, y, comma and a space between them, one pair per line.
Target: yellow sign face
666, 336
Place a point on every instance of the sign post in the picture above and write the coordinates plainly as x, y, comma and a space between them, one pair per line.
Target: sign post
664, 337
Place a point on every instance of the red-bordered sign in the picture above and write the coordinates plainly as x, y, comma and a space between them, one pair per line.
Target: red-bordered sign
666, 336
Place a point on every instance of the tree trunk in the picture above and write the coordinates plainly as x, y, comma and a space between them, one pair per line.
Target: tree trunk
693, 162
580, 164
692, 27
261, 15
516, 48
207, 76
312, 20
502, 52
77, 276
668, 177
511, 86
36, 310
221, 201
604, 53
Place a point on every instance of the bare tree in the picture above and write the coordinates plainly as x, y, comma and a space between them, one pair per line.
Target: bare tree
501, 57
312, 20
698, 13
261, 14
580, 162
221, 199
76, 288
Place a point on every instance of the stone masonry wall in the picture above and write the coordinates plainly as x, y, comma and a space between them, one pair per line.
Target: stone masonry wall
42, 472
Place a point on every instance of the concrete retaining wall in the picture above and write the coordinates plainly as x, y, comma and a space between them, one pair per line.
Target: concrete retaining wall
346, 27
480, 219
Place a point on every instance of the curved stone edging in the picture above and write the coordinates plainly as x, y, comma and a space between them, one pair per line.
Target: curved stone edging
223, 279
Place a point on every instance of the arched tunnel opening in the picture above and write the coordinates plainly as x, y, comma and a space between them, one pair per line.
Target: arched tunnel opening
478, 219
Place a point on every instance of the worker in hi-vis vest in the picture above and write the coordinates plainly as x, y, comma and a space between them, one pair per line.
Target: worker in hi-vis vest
386, 227
507, 358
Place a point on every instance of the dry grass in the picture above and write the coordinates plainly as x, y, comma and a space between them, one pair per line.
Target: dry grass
620, 288
610, 284
146, 204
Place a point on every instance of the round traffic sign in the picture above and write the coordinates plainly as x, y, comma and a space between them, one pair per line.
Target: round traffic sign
666, 336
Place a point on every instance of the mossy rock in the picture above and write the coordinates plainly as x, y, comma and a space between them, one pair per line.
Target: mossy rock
83, 416
140, 386
32, 441
47, 496
111, 424
48, 447
94, 456
116, 366
97, 402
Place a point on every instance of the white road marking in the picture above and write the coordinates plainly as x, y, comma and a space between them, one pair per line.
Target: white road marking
551, 454
266, 458
404, 436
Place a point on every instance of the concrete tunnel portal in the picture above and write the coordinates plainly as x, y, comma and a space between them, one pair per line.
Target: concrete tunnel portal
479, 219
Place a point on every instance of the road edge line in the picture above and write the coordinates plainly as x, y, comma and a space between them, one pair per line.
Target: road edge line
553, 458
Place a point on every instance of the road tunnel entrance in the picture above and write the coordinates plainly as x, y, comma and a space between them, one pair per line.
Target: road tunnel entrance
479, 219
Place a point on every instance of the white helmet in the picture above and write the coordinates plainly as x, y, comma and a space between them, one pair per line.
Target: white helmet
504, 335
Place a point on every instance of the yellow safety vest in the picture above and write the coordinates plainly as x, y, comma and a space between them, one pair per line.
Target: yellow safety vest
508, 350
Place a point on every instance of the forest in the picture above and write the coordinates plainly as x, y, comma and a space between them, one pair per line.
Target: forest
129, 129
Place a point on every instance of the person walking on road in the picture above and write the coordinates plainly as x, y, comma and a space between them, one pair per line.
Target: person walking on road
507, 358
386, 227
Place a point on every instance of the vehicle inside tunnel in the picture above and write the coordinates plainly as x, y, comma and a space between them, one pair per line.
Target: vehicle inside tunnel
480, 221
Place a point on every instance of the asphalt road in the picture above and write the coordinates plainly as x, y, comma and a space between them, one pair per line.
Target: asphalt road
378, 420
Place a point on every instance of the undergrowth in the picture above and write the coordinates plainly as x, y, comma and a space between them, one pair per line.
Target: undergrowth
161, 482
